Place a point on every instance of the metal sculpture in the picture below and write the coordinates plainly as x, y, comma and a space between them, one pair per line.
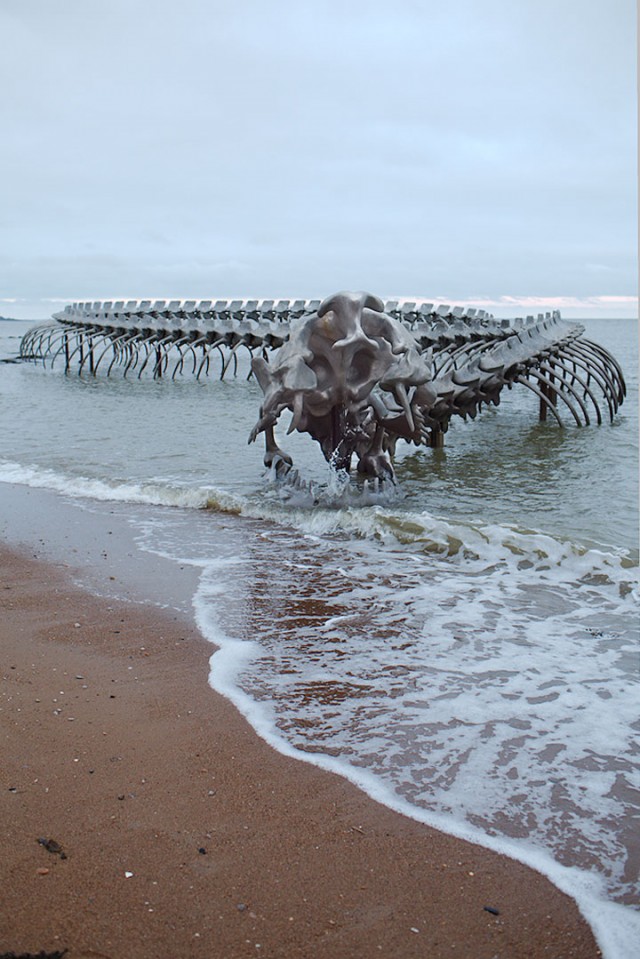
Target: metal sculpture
357, 373
347, 373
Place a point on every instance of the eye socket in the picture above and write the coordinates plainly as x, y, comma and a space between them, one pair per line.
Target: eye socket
360, 366
323, 371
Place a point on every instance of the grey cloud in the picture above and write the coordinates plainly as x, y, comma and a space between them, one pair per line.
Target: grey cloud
483, 147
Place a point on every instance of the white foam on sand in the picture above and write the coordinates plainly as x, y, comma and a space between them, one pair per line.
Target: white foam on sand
616, 927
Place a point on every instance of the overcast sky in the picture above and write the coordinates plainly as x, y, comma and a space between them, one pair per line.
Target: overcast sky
454, 150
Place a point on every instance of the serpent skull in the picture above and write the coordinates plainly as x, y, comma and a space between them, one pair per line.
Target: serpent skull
353, 378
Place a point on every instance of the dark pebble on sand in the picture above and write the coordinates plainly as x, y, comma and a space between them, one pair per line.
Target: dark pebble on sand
202, 851
53, 847
494, 912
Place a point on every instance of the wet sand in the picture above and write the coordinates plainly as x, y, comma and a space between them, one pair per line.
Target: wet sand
178, 832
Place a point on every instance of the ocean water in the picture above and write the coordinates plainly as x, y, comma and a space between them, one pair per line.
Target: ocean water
465, 646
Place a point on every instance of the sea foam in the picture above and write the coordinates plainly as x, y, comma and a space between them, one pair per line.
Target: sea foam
491, 704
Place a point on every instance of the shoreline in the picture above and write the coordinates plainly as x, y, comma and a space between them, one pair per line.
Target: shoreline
116, 747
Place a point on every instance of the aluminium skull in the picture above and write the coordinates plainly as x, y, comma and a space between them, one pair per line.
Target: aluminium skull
353, 378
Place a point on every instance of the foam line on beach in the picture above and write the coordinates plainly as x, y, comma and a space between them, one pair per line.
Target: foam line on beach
337, 515
152, 494
616, 927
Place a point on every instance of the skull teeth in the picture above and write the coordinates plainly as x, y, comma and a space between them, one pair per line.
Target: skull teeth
297, 413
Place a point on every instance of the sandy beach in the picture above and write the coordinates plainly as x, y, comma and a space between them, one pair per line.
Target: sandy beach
142, 816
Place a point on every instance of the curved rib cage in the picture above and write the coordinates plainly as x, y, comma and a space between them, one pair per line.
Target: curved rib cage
472, 355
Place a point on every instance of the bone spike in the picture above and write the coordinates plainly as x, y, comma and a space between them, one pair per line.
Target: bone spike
297, 413
400, 393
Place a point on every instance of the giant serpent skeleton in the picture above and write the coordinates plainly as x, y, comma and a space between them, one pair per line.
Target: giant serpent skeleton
356, 373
